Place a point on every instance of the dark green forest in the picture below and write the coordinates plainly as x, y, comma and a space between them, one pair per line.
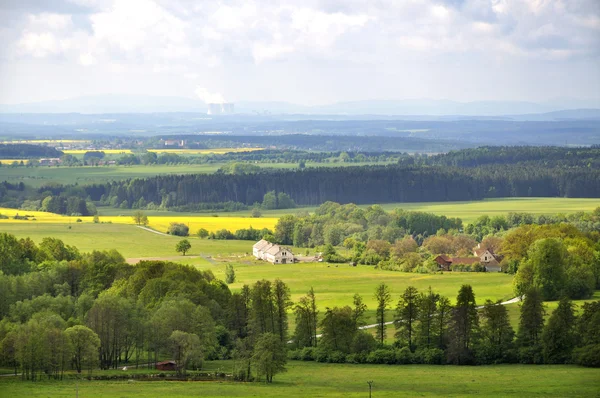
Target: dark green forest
26, 151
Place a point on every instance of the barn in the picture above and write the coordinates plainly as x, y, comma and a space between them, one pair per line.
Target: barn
166, 365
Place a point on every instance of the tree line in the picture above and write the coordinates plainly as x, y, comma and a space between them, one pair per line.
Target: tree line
428, 329
26, 151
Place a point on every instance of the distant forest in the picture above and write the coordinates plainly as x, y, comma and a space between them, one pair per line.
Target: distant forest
26, 151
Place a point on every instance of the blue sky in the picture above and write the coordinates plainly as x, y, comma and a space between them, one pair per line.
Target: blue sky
308, 52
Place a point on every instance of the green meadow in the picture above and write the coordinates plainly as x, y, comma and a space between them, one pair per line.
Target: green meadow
310, 379
38, 176
470, 211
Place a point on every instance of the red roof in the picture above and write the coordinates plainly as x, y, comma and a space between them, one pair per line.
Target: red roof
465, 260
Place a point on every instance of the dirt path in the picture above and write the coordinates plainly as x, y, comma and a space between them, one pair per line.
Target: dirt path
135, 260
151, 230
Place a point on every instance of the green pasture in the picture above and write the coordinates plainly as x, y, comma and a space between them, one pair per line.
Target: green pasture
83, 175
467, 211
310, 379
129, 240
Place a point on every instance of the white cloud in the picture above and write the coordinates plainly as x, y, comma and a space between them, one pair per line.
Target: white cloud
182, 38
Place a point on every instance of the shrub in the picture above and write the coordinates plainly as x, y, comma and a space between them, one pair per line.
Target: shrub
404, 356
430, 356
356, 358
294, 355
307, 354
337, 357
321, 355
531, 355
363, 342
178, 229
587, 356
382, 356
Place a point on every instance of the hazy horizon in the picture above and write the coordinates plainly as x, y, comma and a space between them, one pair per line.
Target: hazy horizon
314, 52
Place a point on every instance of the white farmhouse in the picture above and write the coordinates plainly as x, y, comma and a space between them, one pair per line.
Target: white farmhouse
273, 253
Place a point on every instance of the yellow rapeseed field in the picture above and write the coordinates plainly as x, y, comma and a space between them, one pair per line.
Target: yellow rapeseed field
44, 142
10, 161
159, 223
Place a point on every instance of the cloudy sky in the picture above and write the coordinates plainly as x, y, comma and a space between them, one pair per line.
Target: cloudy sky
303, 51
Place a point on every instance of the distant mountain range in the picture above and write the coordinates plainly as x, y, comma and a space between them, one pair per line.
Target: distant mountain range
418, 108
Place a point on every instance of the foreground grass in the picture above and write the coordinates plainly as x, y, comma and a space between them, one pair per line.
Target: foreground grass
309, 379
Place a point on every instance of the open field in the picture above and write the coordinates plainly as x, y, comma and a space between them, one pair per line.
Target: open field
38, 176
336, 285
310, 379
469, 211
129, 240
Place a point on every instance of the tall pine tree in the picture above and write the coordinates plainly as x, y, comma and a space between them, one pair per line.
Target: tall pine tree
464, 326
558, 337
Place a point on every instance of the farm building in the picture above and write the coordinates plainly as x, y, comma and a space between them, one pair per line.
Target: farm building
273, 253
166, 365
485, 257
50, 161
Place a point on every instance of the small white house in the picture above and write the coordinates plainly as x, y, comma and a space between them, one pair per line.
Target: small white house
273, 253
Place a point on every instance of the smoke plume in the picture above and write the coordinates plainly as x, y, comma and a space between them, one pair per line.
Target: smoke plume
208, 97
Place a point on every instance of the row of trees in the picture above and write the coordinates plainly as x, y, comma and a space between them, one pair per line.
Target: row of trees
428, 329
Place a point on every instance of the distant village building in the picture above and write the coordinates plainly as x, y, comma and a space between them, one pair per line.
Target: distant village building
174, 143
273, 253
485, 257
50, 161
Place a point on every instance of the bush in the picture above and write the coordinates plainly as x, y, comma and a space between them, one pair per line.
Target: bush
321, 355
294, 355
307, 354
337, 357
430, 356
587, 356
356, 358
531, 355
404, 356
363, 342
382, 356
178, 229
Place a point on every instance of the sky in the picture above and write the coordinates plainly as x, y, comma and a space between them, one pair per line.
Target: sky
305, 51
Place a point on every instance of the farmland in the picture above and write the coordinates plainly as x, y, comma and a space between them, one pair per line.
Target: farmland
305, 379
158, 223
38, 176
469, 211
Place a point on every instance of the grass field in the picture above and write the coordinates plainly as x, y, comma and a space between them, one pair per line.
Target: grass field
469, 211
127, 239
38, 176
310, 379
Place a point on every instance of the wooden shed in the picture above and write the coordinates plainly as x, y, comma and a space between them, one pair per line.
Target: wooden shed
166, 365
